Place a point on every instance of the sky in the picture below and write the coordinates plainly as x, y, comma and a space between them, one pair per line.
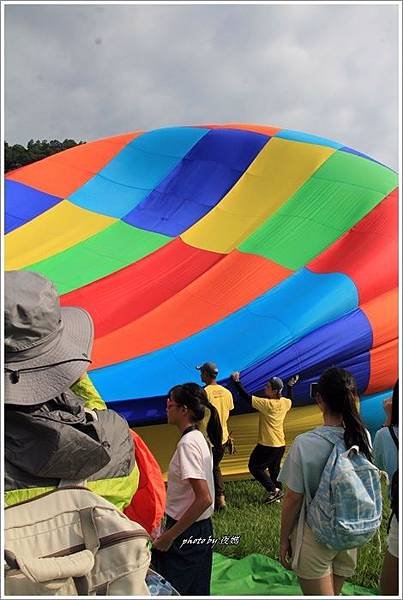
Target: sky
90, 71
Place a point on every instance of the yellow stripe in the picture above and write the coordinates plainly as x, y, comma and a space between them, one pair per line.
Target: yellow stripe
55, 230
162, 439
16, 496
273, 177
117, 490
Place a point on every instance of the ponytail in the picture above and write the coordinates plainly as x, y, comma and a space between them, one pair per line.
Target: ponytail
339, 392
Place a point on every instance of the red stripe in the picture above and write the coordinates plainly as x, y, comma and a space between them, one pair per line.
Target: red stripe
129, 293
368, 253
227, 286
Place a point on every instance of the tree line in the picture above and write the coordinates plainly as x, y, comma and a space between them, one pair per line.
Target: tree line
16, 155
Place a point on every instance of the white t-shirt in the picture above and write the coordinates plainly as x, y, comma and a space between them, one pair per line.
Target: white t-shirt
192, 460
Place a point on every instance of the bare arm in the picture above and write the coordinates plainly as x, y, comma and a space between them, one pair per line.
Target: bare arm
291, 507
201, 502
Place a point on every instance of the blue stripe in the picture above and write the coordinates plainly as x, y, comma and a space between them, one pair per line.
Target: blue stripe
300, 136
136, 170
24, 203
284, 314
198, 183
327, 346
371, 410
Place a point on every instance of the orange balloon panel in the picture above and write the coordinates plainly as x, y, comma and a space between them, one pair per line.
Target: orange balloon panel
63, 173
382, 313
384, 367
224, 288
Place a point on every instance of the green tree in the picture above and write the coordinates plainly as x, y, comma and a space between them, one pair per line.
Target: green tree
17, 156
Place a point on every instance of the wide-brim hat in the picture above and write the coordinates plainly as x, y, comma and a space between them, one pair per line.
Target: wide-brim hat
44, 355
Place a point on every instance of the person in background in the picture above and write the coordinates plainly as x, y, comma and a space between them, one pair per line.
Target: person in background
320, 570
54, 436
265, 460
386, 458
223, 402
190, 495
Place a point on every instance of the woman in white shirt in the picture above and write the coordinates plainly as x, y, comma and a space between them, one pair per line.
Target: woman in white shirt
184, 551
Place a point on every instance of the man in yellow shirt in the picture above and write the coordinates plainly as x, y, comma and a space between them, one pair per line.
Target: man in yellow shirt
264, 462
222, 400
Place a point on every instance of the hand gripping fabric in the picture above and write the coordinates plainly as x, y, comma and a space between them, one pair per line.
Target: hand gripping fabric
346, 510
72, 542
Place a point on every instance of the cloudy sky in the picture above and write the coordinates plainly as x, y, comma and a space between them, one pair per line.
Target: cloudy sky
85, 72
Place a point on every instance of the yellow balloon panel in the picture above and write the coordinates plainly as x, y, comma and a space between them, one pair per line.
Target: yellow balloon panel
162, 439
272, 178
53, 231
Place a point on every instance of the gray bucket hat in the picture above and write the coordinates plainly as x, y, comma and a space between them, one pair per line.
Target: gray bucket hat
46, 348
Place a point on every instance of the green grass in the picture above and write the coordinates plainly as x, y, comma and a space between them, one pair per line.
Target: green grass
258, 526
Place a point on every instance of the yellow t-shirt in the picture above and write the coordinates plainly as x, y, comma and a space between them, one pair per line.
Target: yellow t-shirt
203, 424
271, 419
222, 400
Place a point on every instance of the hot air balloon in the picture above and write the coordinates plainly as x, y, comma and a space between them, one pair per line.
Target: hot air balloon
265, 250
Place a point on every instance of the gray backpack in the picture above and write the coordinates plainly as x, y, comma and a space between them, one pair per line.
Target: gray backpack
71, 542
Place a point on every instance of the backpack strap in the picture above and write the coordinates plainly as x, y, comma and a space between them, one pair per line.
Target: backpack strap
53, 571
394, 436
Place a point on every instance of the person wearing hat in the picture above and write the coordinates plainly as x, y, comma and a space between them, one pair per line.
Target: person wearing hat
51, 438
264, 462
223, 402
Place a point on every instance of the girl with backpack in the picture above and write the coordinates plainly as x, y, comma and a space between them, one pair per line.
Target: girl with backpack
321, 570
386, 457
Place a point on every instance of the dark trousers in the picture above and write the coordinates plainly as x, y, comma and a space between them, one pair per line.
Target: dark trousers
188, 566
218, 454
264, 465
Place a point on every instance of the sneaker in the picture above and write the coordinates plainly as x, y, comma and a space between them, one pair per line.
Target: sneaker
293, 380
274, 496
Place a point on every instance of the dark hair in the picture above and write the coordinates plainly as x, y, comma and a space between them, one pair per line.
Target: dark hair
192, 396
339, 392
394, 419
214, 429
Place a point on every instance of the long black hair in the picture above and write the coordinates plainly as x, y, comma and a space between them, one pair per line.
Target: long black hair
338, 390
394, 419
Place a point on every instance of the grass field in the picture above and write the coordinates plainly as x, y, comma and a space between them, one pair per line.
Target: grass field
258, 526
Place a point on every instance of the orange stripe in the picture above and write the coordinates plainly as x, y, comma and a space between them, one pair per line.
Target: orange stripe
227, 286
266, 129
63, 173
382, 313
384, 369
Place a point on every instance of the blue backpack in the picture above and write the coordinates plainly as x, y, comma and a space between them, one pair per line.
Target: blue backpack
346, 510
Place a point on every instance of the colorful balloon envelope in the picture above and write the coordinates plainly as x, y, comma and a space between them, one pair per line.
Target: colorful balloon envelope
266, 250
